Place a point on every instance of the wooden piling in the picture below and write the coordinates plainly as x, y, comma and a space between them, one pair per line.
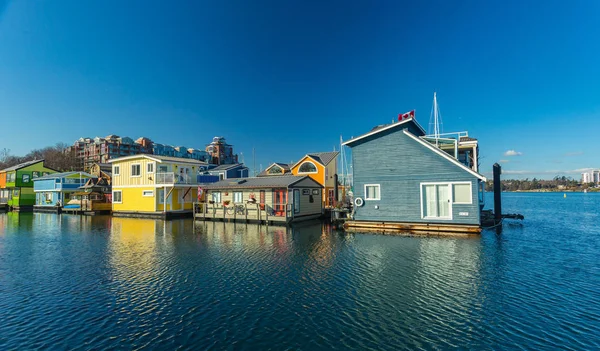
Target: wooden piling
497, 170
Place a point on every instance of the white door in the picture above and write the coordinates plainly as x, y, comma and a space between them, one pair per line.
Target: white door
436, 201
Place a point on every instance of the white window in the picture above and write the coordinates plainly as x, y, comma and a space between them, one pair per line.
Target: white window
116, 170
238, 197
216, 197
148, 193
307, 167
136, 170
26, 178
372, 192
435, 201
48, 197
117, 197
150, 167
462, 193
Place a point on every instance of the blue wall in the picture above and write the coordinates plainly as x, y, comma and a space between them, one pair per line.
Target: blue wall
400, 164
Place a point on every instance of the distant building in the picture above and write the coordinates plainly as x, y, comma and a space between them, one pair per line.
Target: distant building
591, 176
100, 150
90, 151
221, 153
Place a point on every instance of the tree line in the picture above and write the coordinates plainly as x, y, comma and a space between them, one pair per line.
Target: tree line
556, 183
56, 157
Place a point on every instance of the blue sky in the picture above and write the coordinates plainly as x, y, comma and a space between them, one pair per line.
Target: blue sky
290, 77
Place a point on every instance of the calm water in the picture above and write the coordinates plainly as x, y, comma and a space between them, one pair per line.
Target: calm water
109, 283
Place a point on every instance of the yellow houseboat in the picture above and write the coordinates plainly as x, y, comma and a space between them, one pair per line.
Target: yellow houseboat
155, 186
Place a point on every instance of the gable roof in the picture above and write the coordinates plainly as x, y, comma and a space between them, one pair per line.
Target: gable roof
22, 165
385, 127
443, 154
160, 159
283, 181
284, 166
324, 158
63, 175
226, 167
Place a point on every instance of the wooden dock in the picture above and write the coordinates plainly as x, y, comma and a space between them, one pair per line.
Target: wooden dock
411, 228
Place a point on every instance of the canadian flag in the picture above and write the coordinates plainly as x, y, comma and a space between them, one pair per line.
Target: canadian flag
403, 116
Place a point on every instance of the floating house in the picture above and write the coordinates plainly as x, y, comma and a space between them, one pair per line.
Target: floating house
407, 180
320, 166
156, 186
95, 196
16, 184
275, 199
229, 171
54, 190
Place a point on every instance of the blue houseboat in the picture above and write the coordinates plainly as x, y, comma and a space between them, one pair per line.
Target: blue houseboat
405, 180
54, 190
230, 171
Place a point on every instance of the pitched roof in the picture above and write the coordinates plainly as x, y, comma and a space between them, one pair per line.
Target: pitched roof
323, 158
260, 182
21, 165
383, 127
62, 175
226, 167
286, 168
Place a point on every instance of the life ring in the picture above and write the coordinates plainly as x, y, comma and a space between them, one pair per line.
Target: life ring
359, 202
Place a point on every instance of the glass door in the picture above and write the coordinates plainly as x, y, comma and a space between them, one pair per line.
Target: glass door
436, 201
279, 201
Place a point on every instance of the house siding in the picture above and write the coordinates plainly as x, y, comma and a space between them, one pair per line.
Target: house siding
400, 164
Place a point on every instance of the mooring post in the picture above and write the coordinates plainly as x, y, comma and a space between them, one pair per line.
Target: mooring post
497, 193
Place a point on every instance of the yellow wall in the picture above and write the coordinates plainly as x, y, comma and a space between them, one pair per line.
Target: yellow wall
133, 201
146, 178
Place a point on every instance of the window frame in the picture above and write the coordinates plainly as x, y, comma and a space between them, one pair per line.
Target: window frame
470, 184
450, 203
144, 193
25, 175
378, 192
312, 163
139, 165
212, 196
116, 170
114, 197
148, 170
241, 194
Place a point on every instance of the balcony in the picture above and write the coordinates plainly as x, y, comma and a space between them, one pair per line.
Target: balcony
174, 178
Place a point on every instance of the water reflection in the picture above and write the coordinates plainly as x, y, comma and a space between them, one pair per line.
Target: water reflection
123, 283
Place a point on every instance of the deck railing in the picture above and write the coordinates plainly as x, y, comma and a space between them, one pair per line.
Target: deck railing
175, 178
243, 211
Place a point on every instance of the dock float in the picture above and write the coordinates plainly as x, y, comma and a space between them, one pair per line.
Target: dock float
411, 228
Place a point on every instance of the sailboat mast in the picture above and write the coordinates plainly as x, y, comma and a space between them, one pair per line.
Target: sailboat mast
436, 126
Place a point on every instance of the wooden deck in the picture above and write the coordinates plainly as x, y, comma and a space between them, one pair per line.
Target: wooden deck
241, 212
411, 228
